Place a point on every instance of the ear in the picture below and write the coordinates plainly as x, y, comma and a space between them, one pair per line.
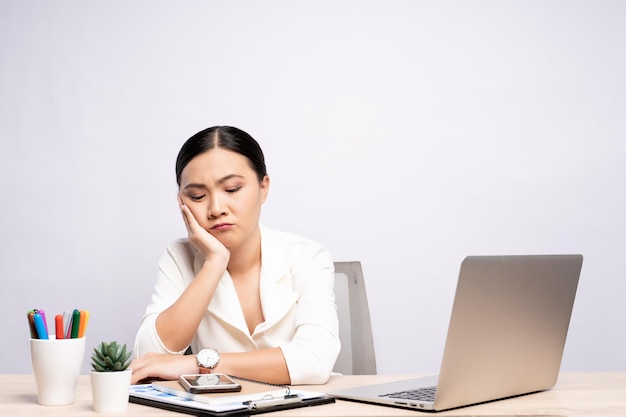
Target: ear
265, 188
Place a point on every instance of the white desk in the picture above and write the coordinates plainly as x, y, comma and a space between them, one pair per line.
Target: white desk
598, 394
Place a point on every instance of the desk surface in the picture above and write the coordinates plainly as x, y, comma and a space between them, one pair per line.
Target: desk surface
575, 394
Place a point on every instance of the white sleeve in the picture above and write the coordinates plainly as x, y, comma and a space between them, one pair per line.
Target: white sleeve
175, 270
311, 354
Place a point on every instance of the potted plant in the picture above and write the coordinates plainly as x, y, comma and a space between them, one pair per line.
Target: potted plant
110, 377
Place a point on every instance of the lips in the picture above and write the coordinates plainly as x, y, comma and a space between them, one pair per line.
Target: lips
222, 226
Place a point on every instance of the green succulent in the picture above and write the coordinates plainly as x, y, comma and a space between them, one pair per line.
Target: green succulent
110, 357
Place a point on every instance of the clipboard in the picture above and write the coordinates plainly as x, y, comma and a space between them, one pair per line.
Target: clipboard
254, 398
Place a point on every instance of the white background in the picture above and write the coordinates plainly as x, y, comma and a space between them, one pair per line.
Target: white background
404, 134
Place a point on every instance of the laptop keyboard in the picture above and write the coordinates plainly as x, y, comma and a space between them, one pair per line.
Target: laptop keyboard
420, 394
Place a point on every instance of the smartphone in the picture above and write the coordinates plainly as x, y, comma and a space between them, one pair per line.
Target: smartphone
199, 383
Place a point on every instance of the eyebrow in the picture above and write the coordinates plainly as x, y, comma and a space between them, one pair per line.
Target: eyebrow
220, 181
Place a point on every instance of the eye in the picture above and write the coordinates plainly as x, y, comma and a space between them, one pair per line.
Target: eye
233, 190
196, 197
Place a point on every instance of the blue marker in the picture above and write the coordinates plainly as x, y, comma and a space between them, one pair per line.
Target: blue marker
40, 326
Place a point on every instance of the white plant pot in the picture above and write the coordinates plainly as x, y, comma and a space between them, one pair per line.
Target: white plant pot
110, 390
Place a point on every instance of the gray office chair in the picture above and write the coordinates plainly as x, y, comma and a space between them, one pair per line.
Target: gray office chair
357, 356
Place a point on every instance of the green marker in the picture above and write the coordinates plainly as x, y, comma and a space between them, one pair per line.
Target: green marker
75, 323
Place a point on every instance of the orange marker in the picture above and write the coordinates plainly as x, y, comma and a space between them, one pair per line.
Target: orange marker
58, 324
84, 318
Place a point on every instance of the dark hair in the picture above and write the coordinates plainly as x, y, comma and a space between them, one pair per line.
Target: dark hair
225, 137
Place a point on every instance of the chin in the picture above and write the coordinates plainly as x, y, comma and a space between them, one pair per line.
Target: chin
226, 241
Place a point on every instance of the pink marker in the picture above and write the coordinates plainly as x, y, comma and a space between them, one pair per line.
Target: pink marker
43, 317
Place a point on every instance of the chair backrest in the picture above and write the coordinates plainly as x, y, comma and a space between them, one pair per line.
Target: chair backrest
357, 356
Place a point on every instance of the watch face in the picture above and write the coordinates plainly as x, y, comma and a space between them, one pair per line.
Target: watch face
208, 358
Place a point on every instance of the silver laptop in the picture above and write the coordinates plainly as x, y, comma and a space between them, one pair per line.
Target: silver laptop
506, 335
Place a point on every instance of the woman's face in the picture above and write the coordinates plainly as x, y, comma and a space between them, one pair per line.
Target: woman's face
224, 195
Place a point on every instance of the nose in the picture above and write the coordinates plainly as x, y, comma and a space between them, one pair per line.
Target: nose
216, 208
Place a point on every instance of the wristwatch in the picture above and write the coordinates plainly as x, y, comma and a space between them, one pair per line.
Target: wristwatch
207, 359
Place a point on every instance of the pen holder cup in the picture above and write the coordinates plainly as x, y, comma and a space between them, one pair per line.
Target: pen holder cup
56, 365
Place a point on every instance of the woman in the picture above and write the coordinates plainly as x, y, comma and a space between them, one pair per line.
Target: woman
248, 300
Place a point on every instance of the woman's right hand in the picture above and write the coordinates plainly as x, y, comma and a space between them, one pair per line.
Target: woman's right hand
162, 365
178, 323
208, 245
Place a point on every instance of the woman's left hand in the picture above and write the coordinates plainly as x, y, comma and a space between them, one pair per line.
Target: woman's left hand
162, 365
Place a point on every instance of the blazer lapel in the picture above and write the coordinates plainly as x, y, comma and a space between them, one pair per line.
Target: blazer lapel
276, 287
225, 303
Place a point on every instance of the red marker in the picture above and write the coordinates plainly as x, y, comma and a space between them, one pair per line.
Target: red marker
58, 323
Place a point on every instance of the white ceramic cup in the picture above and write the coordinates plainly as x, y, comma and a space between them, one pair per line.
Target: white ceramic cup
56, 365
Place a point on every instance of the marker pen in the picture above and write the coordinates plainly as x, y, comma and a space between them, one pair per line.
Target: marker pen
75, 323
273, 402
58, 326
41, 328
67, 323
84, 318
31, 324
45, 321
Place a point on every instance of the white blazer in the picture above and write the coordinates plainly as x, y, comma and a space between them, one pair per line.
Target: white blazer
297, 298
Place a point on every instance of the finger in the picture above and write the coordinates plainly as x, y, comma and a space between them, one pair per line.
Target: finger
190, 220
142, 368
140, 376
192, 224
186, 213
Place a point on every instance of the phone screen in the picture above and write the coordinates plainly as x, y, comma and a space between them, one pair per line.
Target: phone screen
209, 383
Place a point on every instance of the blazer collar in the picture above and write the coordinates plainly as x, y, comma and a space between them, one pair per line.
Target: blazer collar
276, 286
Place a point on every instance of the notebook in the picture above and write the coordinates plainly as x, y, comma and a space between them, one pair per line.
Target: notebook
254, 398
506, 334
